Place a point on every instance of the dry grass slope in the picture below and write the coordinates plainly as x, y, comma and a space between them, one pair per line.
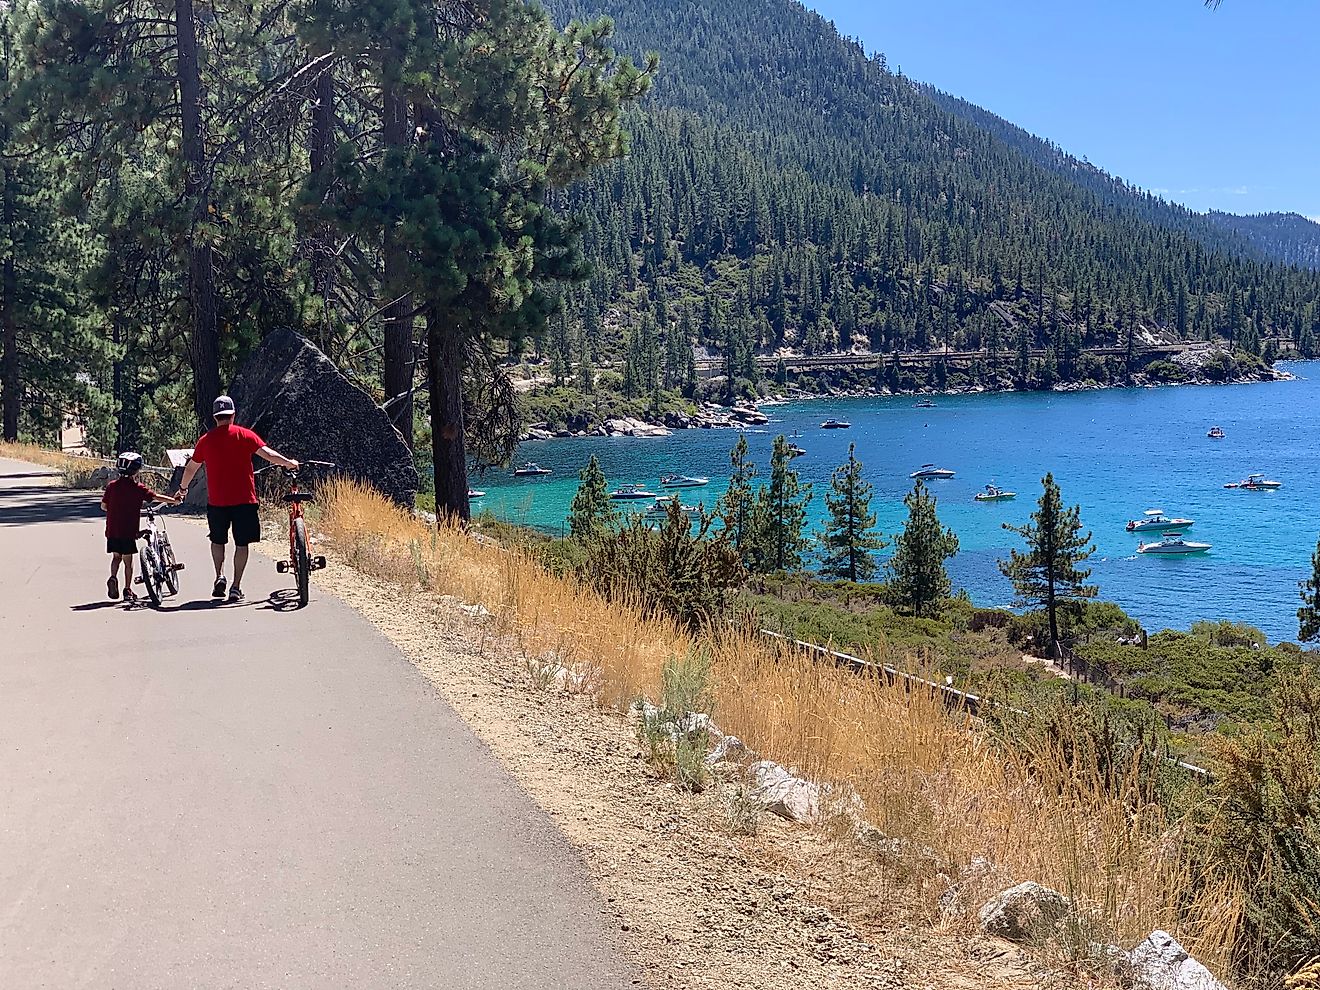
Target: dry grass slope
961, 806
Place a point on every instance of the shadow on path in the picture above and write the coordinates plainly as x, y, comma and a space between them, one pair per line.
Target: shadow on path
22, 505
30, 474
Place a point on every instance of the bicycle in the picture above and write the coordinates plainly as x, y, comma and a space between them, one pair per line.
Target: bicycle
158, 570
301, 560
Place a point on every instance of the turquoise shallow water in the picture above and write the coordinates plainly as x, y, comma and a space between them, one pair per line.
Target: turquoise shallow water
1114, 452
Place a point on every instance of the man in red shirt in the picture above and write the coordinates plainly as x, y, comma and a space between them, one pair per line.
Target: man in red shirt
122, 502
231, 490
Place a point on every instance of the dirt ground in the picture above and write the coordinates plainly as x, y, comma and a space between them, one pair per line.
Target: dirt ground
700, 907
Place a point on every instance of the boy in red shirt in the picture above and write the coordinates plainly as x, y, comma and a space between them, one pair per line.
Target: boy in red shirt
122, 502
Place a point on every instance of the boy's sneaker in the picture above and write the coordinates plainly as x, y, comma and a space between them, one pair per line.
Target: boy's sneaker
112, 586
130, 595
219, 590
236, 594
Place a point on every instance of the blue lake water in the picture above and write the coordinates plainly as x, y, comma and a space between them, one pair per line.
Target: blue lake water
1115, 452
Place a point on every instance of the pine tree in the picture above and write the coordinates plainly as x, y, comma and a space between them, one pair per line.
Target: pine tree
591, 509
781, 514
849, 536
1308, 616
1048, 573
736, 505
919, 578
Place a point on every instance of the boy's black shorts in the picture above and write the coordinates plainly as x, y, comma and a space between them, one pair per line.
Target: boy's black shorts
244, 519
126, 547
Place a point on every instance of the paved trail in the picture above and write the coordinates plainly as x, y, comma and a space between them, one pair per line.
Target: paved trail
250, 796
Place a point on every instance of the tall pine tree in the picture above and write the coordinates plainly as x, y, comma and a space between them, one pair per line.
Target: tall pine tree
849, 536
591, 509
781, 514
918, 576
1049, 574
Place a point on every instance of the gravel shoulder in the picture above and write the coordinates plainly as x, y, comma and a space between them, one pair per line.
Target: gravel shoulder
789, 907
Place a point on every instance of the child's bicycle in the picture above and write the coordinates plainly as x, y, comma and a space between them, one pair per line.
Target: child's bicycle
301, 561
158, 571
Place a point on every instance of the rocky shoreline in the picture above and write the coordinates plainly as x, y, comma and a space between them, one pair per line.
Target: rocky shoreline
711, 416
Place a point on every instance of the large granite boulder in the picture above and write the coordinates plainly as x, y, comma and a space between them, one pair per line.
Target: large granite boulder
296, 399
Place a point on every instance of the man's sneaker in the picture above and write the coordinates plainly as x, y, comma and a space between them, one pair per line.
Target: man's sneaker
219, 590
112, 586
236, 594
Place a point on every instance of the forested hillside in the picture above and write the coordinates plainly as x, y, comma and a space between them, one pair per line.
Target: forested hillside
785, 189
1289, 237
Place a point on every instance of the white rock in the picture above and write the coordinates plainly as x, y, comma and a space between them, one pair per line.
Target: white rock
1022, 911
782, 793
1162, 964
476, 611
725, 748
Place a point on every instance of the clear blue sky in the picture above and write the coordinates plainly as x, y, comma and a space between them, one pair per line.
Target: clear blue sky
1212, 108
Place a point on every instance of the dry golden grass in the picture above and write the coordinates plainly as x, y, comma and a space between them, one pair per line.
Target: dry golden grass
922, 775
75, 469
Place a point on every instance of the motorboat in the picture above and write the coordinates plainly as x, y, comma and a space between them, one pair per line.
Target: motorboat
661, 507
682, 481
1173, 544
795, 451
931, 471
631, 493
530, 468
473, 493
923, 404
994, 494
1216, 433
1255, 483
1155, 521
835, 424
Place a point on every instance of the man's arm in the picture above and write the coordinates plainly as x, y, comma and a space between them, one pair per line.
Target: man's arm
275, 457
189, 472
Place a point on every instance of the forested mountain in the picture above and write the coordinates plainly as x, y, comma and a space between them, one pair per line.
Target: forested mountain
1289, 237
785, 188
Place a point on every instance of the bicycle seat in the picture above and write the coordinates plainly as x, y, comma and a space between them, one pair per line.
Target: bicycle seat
299, 497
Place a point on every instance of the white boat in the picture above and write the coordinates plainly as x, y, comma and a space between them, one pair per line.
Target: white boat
923, 404
931, 471
682, 481
1173, 544
1255, 483
531, 467
835, 424
473, 493
994, 494
795, 451
661, 507
1216, 433
629, 493
1155, 521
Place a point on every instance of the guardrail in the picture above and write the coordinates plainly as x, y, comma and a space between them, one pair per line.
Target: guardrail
953, 698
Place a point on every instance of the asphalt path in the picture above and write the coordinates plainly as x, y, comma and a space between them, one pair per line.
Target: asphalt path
251, 795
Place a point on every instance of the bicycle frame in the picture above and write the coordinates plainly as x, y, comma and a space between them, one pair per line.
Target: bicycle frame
301, 561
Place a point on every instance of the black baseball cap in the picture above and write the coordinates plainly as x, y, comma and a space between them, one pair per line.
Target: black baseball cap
222, 406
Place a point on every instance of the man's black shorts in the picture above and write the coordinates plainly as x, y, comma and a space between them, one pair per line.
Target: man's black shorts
125, 547
244, 519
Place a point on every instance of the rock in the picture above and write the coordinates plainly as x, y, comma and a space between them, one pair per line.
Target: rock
102, 476
1024, 911
296, 399
748, 415
536, 433
726, 748
1160, 963
784, 794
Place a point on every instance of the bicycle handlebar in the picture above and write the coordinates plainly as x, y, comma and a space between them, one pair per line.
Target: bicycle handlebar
269, 467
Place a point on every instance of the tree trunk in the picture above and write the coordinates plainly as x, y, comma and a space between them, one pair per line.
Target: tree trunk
320, 153
10, 379
444, 365
204, 344
398, 377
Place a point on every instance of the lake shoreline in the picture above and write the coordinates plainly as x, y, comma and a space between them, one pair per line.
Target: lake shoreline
712, 416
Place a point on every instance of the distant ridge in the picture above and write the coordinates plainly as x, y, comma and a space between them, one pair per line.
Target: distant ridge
786, 189
1287, 237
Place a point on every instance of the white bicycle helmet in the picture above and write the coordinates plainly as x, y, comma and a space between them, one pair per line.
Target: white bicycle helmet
130, 462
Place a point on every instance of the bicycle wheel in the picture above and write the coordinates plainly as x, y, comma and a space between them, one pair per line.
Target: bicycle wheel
167, 565
302, 563
151, 574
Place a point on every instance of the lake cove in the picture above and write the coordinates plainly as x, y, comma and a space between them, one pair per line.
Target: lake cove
1115, 452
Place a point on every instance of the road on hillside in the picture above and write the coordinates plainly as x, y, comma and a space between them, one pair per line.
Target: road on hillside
250, 795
